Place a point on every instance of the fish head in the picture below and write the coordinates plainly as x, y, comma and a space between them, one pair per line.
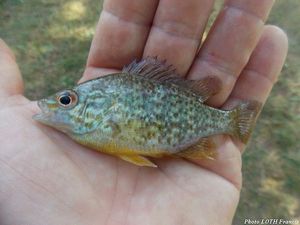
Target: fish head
62, 111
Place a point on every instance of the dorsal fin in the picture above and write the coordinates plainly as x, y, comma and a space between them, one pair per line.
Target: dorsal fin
152, 68
155, 69
205, 87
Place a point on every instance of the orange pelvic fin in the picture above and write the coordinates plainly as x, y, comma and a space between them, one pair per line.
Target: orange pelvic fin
205, 148
138, 160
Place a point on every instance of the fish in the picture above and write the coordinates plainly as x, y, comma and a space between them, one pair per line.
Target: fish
147, 111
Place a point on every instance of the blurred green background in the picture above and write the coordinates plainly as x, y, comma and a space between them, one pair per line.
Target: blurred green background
51, 39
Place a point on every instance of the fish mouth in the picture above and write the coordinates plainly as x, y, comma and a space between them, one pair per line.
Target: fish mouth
47, 117
45, 113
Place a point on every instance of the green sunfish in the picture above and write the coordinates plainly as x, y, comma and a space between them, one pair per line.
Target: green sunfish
146, 110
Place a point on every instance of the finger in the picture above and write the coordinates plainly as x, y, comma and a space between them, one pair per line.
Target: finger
265, 64
121, 32
10, 78
230, 43
94, 72
254, 83
176, 31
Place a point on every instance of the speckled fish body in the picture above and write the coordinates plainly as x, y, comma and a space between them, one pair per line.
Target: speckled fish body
146, 110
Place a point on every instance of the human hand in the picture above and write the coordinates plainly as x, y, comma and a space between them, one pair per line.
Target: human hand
46, 178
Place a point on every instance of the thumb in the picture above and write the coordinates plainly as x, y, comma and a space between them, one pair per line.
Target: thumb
10, 77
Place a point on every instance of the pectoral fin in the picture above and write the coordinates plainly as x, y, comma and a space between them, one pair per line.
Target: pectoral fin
138, 160
205, 148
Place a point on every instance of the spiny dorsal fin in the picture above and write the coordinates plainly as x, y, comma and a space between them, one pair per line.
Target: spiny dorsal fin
155, 69
152, 68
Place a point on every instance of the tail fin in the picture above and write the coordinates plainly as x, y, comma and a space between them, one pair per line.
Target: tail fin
243, 119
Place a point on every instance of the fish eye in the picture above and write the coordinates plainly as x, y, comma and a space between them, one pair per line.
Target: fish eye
67, 99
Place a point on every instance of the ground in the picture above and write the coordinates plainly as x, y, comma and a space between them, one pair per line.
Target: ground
51, 39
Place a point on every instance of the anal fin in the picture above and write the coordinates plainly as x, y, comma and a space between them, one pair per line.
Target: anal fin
205, 148
138, 160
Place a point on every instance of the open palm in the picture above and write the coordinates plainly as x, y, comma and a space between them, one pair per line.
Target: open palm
46, 178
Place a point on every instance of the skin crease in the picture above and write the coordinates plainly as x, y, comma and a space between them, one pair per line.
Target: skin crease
46, 178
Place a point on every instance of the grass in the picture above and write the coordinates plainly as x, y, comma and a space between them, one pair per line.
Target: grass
271, 163
51, 39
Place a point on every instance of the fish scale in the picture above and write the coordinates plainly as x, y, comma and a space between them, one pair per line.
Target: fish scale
147, 111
